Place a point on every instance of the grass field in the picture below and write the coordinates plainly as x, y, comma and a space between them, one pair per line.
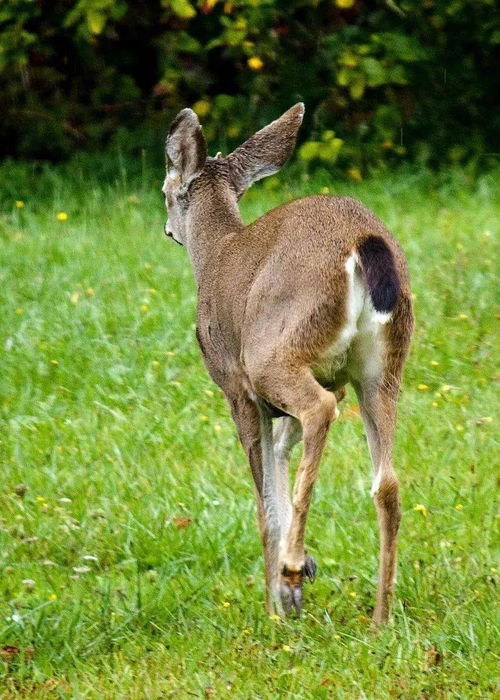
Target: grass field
131, 564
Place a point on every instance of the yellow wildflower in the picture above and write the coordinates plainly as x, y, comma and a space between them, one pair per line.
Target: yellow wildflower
286, 647
274, 617
355, 174
170, 353
434, 363
225, 604
217, 428
89, 292
255, 63
202, 108
345, 4
246, 631
420, 508
462, 317
40, 499
353, 594
74, 298
19, 203
61, 216
422, 387
53, 596
325, 190
144, 308
54, 362
459, 506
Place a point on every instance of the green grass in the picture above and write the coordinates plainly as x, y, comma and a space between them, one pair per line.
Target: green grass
111, 424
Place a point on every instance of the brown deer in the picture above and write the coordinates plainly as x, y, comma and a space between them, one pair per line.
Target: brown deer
311, 296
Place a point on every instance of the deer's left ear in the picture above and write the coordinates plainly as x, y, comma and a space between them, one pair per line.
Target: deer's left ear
266, 151
186, 146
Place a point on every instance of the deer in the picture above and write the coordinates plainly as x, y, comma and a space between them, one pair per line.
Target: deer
312, 296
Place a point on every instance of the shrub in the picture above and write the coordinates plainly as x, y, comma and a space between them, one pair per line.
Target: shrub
381, 81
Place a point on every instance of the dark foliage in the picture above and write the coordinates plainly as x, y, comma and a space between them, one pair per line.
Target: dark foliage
382, 81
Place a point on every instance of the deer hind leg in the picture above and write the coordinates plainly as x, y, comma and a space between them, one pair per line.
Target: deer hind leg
378, 409
255, 431
301, 396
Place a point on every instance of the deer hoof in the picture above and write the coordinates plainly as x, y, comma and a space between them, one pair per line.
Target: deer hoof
291, 585
291, 597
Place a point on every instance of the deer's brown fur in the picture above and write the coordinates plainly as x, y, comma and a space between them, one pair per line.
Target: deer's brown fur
286, 318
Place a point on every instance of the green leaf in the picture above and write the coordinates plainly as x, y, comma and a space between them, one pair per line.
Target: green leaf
374, 71
95, 21
183, 8
344, 77
310, 150
357, 89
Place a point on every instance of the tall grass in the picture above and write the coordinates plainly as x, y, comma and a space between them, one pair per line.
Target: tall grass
131, 564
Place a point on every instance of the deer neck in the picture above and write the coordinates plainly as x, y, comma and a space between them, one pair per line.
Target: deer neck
209, 220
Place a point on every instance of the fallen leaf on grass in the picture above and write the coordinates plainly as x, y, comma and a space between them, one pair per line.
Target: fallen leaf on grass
181, 522
434, 656
9, 652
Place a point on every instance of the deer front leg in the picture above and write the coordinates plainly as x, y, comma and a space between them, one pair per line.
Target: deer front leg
255, 431
297, 393
287, 433
295, 563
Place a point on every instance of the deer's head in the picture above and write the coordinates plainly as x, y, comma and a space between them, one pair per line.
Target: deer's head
195, 179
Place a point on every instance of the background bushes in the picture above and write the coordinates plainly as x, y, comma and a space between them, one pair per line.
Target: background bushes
382, 81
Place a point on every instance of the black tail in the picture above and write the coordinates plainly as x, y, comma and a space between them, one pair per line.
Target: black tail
380, 271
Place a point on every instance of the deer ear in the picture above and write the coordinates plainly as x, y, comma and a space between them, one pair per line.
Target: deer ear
186, 147
266, 151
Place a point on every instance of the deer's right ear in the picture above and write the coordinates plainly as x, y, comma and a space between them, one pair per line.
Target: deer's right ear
266, 151
186, 147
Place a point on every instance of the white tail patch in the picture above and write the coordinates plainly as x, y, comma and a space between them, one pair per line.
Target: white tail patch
381, 316
359, 345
